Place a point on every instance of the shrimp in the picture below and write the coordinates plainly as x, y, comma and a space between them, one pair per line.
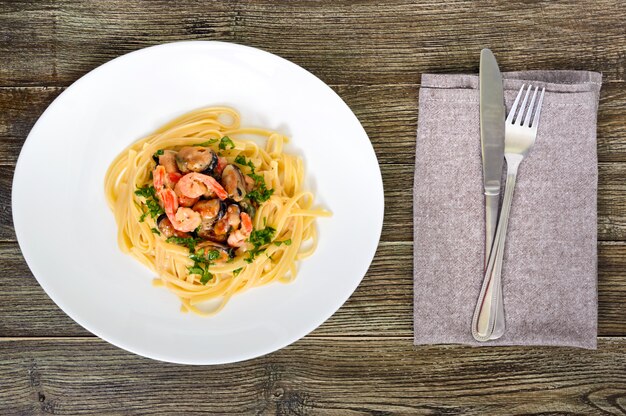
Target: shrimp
194, 185
167, 229
174, 177
238, 237
182, 218
182, 199
161, 179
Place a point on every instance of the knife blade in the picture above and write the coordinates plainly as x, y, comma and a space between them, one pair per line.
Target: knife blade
492, 115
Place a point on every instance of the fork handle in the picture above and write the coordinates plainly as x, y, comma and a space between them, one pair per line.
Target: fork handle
487, 306
492, 211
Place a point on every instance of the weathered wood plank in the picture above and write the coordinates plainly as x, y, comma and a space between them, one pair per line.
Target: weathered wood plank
353, 377
52, 43
7, 233
611, 201
383, 301
388, 114
398, 223
19, 110
611, 288
24, 306
611, 129
361, 361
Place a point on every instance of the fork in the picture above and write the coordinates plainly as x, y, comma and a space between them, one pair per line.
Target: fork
519, 137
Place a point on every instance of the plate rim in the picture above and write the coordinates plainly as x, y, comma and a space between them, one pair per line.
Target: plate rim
57, 299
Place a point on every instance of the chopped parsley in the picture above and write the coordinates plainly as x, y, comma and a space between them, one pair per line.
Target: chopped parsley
188, 242
237, 271
196, 270
260, 193
203, 272
242, 161
257, 178
152, 203
158, 153
146, 191
226, 141
259, 238
202, 260
285, 242
154, 230
205, 255
207, 143
262, 237
206, 276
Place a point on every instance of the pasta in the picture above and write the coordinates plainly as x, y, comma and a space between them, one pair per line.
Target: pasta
263, 185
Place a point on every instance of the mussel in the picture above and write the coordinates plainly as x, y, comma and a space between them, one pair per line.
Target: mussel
218, 230
167, 159
196, 159
215, 231
210, 211
234, 182
248, 207
225, 252
167, 229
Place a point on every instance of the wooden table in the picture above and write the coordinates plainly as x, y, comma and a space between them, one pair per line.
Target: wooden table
361, 361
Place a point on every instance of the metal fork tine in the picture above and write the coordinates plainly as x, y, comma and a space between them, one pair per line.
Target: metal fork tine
530, 108
520, 116
509, 119
538, 111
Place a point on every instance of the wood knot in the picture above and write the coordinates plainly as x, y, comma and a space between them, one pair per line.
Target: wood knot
34, 378
294, 403
278, 392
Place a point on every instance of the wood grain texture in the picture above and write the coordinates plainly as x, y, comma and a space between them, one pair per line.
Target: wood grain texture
344, 42
361, 361
345, 376
382, 304
388, 114
398, 220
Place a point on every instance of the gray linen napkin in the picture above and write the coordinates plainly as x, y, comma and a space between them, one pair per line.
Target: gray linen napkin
550, 261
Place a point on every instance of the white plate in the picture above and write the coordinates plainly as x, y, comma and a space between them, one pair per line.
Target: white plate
68, 235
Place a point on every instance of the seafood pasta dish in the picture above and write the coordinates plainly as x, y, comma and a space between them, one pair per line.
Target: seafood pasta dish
210, 211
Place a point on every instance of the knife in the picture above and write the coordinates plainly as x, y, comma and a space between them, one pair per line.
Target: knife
492, 115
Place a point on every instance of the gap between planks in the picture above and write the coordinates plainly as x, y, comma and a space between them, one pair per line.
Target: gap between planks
310, 337
332, 85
